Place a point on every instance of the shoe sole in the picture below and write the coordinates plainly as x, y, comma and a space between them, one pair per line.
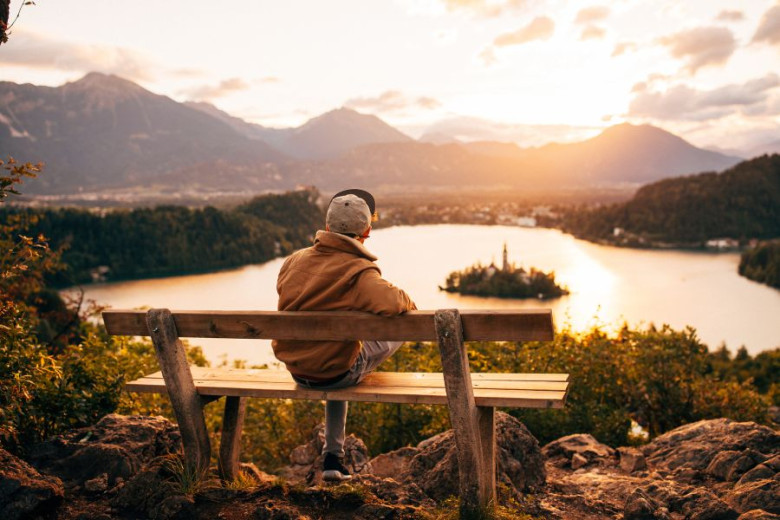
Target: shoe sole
333, 475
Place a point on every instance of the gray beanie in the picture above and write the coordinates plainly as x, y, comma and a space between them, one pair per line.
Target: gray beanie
348, 215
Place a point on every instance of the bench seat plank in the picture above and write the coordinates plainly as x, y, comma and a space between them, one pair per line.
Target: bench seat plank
478, 325
395, 388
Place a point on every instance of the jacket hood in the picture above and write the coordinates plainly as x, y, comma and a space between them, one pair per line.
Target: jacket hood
343, 243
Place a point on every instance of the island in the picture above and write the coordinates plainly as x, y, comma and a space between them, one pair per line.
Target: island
508, 282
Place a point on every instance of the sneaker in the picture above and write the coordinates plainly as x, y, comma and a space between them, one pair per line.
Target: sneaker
333, 470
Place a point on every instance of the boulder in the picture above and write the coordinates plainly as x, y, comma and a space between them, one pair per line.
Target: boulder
117, 446
25, 493
306, 460
701, 504
561, 452
730, 465
519, 461
641, 506
393, 464
693, 447
631, 460
759, 494
758, 514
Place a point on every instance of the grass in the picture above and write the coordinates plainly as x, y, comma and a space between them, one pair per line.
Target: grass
187, 480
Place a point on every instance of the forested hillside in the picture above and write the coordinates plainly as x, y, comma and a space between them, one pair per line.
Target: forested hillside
173, 240
762, 263
742, 203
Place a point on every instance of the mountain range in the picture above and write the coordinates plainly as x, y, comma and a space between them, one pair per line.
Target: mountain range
105, 132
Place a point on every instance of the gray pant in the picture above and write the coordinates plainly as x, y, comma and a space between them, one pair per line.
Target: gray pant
371, 356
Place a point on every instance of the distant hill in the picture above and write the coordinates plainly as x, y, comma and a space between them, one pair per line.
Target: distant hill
104, 131
741, 203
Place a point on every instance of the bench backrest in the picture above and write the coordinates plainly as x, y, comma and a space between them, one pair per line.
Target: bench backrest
515, 325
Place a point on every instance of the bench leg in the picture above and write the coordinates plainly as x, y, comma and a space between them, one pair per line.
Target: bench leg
187, 404
230, 445
477, 482
487, 433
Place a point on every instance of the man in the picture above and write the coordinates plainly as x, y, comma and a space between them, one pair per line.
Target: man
337, 274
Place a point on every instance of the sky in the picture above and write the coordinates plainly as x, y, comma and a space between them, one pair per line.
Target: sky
529, 71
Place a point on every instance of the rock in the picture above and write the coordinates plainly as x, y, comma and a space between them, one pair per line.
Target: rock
758, 514
640, 506
578, 461
306, 460
117, 446
701, 504
562, 450
394, 492
144, 492
631, 460
760, 472
519, 460
97, 485
278, 511
760, 494
393, 464
261, 477
384, 512
731, 465
695, 446
24, 492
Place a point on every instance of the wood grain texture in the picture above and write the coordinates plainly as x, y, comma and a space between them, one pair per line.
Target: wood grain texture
230, 442
186, 401
380, 379
487, 432
515, 325
463, 413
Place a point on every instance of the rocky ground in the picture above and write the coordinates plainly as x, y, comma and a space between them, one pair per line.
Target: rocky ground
125, 467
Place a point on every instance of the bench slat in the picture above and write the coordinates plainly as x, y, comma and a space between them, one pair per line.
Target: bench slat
381, 379
406, 395
514, 325
516, 390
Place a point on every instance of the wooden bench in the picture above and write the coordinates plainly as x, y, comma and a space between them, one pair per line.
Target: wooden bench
471, 398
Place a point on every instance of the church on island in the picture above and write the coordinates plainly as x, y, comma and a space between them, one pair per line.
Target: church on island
508, 282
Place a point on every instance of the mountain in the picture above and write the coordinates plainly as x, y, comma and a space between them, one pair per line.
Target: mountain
323, 137
338, 131
623, 153
273, 136
104, 131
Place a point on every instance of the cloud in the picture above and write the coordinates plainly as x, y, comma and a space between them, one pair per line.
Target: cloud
683, 103
589, 15
391, 101
469, 128
623, 47
486, 8
488, 56
702, 46
769, 29
541, 28
224, 88
592, 32
730, 16
36, 50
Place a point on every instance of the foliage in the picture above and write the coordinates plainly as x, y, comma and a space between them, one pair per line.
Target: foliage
742, 202
167, 240
186, 479
762, 263
510, 283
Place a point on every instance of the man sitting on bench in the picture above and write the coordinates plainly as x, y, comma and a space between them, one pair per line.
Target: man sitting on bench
337, 274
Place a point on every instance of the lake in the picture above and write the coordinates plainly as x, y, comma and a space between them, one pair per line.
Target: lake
609, 285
